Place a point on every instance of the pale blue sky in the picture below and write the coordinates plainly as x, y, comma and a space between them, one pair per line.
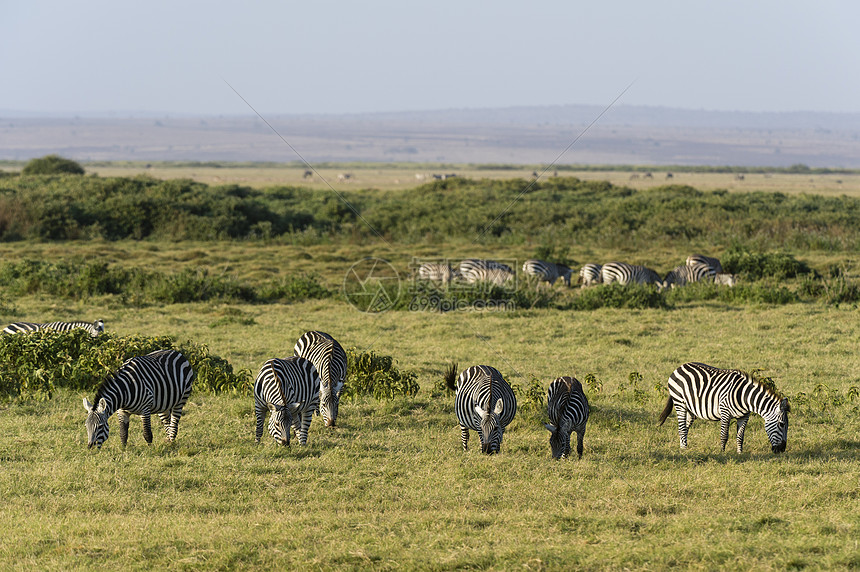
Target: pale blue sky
100, 57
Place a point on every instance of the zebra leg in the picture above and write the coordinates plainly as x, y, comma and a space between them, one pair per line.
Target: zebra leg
261, 417
742, 425
725, 421
579, 436
464, 436
171, 423
302, 433
147, 427
683, 424
123, 418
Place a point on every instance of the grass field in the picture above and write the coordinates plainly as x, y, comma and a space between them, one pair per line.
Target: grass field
390, 488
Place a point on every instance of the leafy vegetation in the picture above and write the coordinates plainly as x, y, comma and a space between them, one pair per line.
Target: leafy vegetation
52, 165
374, 375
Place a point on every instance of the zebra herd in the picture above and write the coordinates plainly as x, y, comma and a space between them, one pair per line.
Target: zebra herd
472, 270
311, 381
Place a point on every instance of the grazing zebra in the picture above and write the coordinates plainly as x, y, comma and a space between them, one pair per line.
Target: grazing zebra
474, 270
437, 272
158, 382
290, 389
94, 328
682, 275
624, 273
591, 274
546, 271
484, 403
329, 359
700, 391
567, 408
713, 263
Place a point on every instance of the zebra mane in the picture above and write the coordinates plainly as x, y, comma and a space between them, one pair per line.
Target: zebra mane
101, 389
767, 389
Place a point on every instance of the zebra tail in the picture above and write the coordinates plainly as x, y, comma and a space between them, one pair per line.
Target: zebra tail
666, 411
451, 376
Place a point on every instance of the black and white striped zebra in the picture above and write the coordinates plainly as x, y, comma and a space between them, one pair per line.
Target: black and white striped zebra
624, 273
484, 402
567, 408
329, 359
470, 266
683, 275
94, 328
289, 389
699, 391
158, 382
713, 263
497, 276
546, 271
591, 274
437, 272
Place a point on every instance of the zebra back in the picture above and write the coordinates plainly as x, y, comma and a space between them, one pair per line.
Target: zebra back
497, 276
567, 409
437, 272
698, 390
470, 265
94, 328
330, 361
158, 382
484, 403
591, 274
713, 263
289, 389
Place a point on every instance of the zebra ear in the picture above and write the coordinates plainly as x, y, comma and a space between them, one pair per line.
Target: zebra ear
102, 405
549, 427
784, 406
87, 405
499, 407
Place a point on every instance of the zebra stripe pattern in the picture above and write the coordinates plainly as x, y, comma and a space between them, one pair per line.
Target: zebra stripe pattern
713, 263
591, 274
497, 276
567, 408
289, 389
683, 275
471, 266
158, 382
94, 328
437, 272
329, 359
624, 273
484, 402
700, 391
546, 271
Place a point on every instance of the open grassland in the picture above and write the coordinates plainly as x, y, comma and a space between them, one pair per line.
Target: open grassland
389, 488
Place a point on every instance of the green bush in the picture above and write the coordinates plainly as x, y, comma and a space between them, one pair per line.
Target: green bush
630, 296
758, 265
376, 376
34, 365
52, 165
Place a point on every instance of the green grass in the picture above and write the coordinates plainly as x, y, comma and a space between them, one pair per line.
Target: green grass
389, 488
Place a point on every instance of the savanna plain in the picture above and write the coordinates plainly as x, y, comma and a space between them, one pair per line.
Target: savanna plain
389, 487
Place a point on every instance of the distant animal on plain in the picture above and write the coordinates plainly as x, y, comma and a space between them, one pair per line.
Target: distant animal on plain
308, 175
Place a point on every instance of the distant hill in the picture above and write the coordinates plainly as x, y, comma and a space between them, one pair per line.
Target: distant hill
527, 135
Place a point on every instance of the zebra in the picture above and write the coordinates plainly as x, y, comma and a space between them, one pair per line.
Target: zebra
547, 271
567, 408
682, 275
484, 402
624, 273
94, 328
497, 276
726, 279
702, 391
329, 359
158, 382
591, 274
290, 389
437, 271
714, 263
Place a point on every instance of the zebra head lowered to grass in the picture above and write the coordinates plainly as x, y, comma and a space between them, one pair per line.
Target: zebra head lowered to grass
546, 271
567, 408
329, 359
94, 328
158, 382
289, 390
683, 275
700, 391
624, 273
484, 402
